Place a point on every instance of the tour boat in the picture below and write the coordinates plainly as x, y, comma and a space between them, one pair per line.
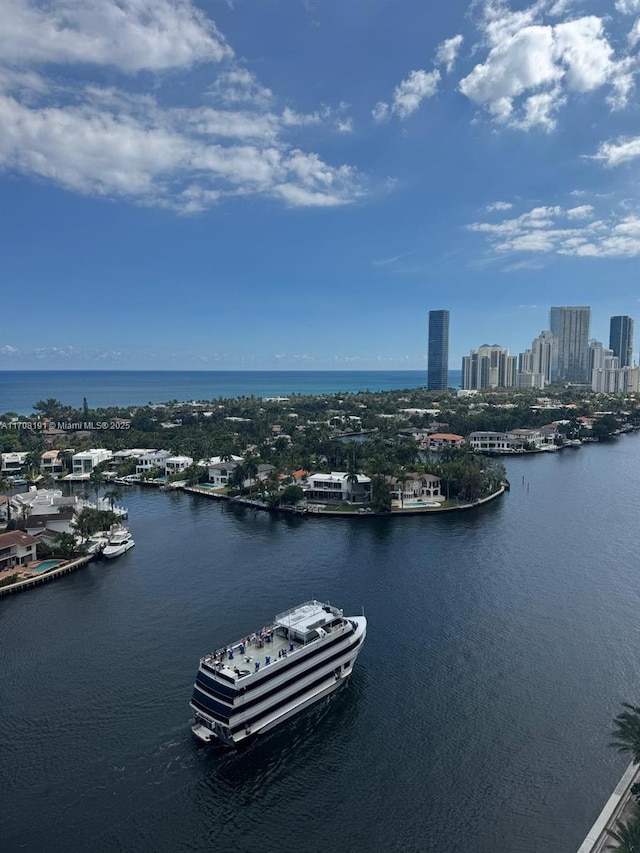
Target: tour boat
260, 681
119, 542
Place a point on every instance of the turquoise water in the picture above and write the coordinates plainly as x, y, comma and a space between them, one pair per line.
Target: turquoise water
21, 389
46, 565
418, 504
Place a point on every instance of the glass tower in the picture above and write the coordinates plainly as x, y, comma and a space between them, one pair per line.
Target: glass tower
438, 367
570, 325
621, 339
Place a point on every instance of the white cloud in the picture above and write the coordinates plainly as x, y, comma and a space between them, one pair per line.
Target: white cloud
616, 153
628, 7
380, 112
499, 205
129, 34
408, 95
447, 52
580, 212
238, 85
107, 141
554, 230
164, 157
532, 67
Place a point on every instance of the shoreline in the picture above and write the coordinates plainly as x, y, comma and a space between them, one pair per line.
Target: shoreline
317, 510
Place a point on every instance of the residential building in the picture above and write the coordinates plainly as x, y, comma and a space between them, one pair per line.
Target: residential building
441, 440
336, 488
621, 339
84, 462
414, 487
175, 464
599, 356
438, 351
220, 471
51, 463
615, 380
488, 367
514, 441
16, 549
152, 459
570, 325
535, 365
12, 463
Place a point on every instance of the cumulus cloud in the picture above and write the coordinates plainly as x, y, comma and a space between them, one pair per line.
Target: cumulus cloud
129, 34
554, 230
531, 67
408, 95
118, 142
447, 52
499, 205
628, 7
616, 153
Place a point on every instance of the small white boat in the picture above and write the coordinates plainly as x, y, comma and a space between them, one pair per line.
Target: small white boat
119, 542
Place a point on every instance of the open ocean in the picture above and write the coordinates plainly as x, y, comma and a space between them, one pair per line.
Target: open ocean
21, 389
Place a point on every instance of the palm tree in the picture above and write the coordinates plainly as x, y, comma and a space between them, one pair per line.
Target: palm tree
251, 470
112, 496
96, 478
351, 478
237, 477
626, 835
627, 731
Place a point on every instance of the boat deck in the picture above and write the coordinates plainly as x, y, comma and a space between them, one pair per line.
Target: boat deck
268, 651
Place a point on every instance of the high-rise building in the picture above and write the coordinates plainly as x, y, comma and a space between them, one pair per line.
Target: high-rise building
438, 367
600, 357
570, 325
488, 367
621, 339
535, 365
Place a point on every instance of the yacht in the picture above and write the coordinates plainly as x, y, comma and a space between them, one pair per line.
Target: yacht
119, 542
260, 681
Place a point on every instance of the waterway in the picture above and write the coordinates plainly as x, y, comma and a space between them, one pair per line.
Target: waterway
501, 642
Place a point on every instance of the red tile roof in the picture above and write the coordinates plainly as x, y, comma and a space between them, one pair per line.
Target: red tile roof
16, 537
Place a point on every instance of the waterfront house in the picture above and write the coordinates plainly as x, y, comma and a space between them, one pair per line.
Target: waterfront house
514, 441
152, 459
12, 463
336, 488
175, 464
51, 463
56, 522
415, 487
16, 549
441, 440
84, 462
220, 471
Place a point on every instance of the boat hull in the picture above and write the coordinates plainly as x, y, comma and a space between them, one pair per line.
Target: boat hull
117, 552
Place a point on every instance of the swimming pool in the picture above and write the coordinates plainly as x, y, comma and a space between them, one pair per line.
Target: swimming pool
420, 504
46, 565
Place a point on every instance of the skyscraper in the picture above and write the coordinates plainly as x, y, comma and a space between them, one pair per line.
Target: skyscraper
438, 367
488, 367
570, 325
621, 339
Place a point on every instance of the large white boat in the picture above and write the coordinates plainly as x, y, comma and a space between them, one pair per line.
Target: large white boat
263, 679
119, 542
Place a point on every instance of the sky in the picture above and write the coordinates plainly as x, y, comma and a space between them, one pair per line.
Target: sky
247, 184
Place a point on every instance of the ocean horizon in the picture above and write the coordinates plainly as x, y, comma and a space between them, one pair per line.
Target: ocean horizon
20, 390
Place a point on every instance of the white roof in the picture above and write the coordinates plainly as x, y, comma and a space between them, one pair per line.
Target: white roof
305, 617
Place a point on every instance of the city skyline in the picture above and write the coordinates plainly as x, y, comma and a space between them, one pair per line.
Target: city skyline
231, 185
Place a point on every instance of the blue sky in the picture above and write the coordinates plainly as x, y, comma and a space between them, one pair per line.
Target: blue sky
296, 183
